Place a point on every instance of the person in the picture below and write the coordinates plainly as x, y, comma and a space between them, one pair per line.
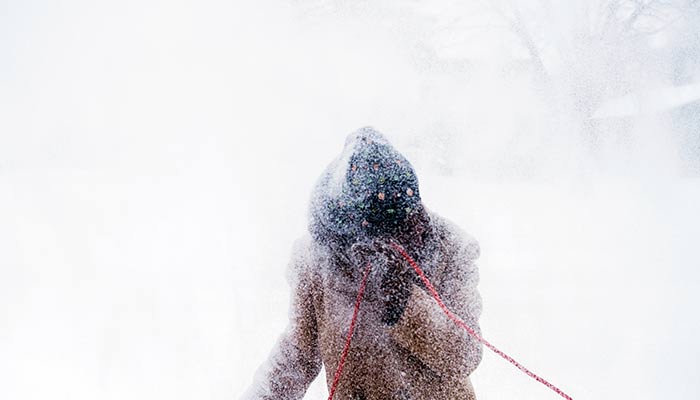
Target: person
404, 346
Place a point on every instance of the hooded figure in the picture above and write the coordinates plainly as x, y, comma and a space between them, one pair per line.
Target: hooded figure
403, 346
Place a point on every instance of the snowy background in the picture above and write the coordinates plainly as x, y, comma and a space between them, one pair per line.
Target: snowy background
156, 159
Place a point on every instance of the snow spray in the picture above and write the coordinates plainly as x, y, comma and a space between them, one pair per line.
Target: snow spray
454, 318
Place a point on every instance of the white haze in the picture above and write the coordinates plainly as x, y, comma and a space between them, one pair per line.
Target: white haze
156, 160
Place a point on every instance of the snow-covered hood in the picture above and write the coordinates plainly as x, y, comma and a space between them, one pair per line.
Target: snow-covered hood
368, 190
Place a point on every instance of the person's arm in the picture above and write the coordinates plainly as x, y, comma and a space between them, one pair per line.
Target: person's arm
427, 332
295, 360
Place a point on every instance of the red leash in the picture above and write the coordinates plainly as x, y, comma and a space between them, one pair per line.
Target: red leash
447, 312
471, 331
341, 364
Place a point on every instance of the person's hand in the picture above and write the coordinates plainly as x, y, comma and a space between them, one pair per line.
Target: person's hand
396, 283
392, 276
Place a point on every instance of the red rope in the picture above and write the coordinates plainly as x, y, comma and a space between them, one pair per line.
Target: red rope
450, 315
341, 364
471, 331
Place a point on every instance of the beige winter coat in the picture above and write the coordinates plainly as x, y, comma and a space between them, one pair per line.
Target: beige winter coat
423, 356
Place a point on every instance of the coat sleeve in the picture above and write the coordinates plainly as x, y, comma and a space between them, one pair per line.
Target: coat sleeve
295, 360
427, 332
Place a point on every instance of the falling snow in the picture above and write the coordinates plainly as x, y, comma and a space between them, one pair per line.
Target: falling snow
158, 160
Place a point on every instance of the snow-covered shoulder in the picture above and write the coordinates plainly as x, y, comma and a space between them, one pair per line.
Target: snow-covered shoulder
301, 260
461, 242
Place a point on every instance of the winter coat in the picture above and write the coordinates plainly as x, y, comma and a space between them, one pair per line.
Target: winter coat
403, 347
423, 356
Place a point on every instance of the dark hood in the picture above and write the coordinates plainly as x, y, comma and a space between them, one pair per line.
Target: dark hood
369, 190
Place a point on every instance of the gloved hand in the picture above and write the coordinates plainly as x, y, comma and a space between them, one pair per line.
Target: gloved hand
395, 276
